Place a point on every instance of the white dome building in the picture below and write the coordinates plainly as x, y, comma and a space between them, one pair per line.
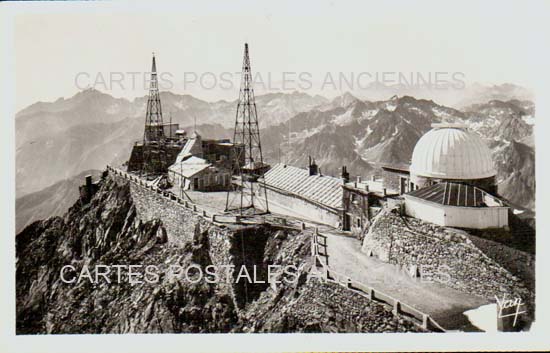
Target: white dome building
450, 152
452, 179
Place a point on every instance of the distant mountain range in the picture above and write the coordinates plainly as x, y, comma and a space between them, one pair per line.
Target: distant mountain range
51, 201
365, 135
458, 97
94, 107
56, 141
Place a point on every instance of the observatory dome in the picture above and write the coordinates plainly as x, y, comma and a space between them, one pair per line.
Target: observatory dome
451, 151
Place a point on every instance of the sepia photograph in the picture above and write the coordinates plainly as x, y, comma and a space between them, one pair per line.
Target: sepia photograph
228, 172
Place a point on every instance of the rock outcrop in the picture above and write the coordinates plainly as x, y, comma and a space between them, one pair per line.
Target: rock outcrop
449, 256
123, 227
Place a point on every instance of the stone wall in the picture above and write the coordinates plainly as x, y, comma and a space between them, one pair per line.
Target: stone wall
414, 244
233, 245
520, 263
178, 221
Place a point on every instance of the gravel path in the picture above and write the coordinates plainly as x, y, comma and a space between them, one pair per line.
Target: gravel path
444, 304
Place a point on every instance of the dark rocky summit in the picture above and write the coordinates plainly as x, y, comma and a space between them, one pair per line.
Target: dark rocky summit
111, 230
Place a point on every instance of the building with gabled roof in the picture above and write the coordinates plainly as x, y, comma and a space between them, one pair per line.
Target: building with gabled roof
192, 147
304, 192
195, 173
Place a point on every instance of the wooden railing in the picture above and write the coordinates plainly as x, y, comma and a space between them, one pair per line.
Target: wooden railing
399, 308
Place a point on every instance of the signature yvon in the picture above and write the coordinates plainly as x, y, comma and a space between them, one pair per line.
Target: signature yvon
504, 305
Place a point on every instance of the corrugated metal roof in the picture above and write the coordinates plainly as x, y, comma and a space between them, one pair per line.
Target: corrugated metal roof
193, 146
456, 194
324, 189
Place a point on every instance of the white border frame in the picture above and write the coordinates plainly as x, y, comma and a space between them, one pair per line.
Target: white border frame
537, 339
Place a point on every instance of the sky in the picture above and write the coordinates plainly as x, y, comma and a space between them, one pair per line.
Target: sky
293, 45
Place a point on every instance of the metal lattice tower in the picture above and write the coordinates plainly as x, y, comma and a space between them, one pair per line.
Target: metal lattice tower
154, 154
248, 161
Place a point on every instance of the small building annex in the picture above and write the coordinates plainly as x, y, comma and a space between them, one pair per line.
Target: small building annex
457, 205
304, 192
361, 202
197, 174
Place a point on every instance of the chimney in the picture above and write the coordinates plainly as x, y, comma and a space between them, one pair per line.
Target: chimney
345, 174
88, 182
313, 168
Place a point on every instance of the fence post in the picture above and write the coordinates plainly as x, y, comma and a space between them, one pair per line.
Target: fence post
327, 273
318, 261
425, 321
396, 307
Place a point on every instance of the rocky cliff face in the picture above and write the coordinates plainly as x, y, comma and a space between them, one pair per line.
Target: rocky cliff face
111, 230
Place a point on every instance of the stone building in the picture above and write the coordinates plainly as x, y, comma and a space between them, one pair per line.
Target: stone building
218, 152
362, 199
168, 151
179, 146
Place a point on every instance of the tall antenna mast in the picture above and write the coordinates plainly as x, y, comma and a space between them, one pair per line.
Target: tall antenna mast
153, 136
154, 130
248, 162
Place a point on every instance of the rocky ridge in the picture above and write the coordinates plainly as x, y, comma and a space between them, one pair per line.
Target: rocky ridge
109, 231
